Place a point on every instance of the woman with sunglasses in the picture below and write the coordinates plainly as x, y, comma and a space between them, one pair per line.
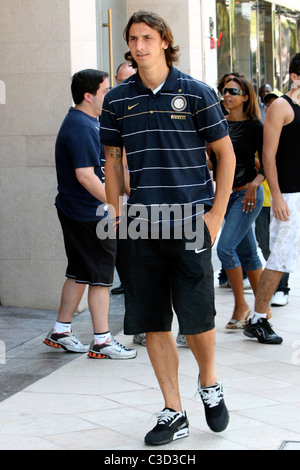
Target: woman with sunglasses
237, 244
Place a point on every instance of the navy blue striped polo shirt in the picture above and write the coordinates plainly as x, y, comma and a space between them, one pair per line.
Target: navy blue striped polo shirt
164, 136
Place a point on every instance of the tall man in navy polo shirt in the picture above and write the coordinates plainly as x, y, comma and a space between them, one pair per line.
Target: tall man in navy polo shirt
164, 119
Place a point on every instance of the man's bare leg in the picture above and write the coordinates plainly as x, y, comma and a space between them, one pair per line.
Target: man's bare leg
203, 348
258, 326
72, 293
98, 301
60, 336
163, 355
104, 344
164, 358
267, 285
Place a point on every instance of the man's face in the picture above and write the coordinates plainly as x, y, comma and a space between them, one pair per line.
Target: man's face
266, 89
124, 72
146, 46
97, 100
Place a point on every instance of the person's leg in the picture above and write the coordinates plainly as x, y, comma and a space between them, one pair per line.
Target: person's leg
163, 355
120, 289
172, 422
267, 284
203, 348
61, 335
254, 277
72, 293
98, 301
283, 285
209, 388
236, 248
241, 307
262, 231
258, 326
284, 251
281, 295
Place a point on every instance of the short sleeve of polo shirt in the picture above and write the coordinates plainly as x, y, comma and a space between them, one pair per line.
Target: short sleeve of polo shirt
210, 120
84, 147
109, 133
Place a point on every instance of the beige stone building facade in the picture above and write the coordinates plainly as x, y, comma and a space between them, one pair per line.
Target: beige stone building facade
42, 43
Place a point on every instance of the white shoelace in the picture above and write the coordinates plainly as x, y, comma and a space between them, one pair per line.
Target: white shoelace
165, 416
212, 396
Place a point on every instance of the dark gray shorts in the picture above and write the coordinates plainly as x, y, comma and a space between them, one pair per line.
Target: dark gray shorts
90, 260
160, 277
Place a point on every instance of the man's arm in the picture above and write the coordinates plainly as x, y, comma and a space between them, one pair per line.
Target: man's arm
126, 174
90, 181
274, 121
224, 152
114, 176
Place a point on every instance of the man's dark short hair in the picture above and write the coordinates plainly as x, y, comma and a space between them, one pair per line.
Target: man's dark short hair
295, 64
86, 81
161, 26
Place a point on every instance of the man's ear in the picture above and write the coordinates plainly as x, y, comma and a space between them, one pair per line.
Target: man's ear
87, 97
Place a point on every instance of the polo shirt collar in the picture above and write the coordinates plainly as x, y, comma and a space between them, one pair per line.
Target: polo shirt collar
169, 85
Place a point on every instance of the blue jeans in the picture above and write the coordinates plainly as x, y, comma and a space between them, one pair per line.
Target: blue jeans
237, 244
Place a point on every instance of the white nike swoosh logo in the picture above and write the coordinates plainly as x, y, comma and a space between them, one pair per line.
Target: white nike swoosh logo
200, 251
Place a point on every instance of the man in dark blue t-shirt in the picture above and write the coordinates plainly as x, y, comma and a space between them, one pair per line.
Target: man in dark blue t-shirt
80, 193
78, 154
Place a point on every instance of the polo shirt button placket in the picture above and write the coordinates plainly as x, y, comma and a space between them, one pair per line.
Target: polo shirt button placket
152, 123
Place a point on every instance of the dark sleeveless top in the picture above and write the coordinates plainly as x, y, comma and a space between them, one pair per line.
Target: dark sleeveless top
288, 153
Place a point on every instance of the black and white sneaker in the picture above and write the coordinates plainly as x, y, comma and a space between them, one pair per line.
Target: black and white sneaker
262, 331
216, 413
171, 425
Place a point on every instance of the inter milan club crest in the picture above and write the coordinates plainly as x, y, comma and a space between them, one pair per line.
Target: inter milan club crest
179, 103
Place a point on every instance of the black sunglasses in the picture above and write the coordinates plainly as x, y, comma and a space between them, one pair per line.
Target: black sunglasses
233, 91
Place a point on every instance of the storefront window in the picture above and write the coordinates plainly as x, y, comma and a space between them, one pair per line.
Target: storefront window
244, 38
265, 28
257, 38
224, 37
286, 44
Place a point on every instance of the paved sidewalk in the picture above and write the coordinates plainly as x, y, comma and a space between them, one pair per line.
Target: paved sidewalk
110, 405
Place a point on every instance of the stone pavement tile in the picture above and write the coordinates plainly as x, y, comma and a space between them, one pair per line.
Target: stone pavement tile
35, 423
20, 325
12, 442
99, 438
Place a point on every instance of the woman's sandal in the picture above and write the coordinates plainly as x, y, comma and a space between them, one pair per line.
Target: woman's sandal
234, 325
